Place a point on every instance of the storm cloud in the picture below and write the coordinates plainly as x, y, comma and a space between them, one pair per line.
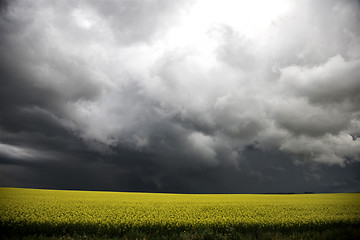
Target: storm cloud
180, 96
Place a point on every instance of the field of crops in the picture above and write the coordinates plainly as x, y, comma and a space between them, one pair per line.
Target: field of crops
58, 213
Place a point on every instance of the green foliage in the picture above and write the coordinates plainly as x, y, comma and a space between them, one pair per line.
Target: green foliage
183, 216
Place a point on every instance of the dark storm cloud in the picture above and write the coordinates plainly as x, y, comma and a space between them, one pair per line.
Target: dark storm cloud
180, 97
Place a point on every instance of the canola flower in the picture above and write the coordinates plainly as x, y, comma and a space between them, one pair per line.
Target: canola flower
115, 213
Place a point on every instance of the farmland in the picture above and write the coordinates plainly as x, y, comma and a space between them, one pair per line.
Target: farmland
58, 213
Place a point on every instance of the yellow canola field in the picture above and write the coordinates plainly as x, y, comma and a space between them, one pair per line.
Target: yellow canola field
118, 210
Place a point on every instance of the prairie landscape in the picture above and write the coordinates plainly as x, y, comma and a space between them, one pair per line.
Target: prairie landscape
34, 213
180, 118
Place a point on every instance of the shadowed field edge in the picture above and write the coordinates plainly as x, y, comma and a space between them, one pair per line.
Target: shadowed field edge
120, 230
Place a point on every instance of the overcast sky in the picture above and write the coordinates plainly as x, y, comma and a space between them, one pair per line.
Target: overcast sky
213, 96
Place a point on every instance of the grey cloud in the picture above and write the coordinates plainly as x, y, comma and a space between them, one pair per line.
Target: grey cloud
235, 50
134, 21
236, 119
335, 81
300, 117
18, 152
101, 98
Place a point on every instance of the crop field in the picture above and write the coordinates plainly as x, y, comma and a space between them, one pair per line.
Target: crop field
84, 214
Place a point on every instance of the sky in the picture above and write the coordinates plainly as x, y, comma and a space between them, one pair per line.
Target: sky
190, 96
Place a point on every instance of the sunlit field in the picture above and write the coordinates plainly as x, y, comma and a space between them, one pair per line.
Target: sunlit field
85, 214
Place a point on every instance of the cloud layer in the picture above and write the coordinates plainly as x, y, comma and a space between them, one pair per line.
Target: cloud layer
192, 96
